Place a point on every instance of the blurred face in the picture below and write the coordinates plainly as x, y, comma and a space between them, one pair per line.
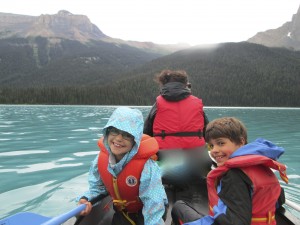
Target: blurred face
120, 142
222, 148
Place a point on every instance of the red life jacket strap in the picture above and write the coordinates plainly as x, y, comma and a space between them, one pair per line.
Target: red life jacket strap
268, 219
163, 134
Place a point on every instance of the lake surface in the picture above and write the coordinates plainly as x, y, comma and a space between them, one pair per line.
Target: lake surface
46, 151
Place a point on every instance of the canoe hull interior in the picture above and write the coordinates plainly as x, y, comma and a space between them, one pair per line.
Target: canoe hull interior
103, 212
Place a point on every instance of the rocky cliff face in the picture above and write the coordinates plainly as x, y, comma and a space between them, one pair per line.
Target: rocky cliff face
65, 25
61, 25
287, 36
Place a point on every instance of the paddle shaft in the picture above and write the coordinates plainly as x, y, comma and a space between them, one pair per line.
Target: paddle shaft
292, 205
93, 201
64, 217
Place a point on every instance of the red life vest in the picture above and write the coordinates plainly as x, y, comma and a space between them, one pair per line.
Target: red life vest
179, 124
124, 189
266, 188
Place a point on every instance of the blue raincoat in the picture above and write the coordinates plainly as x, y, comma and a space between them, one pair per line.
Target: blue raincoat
154, 198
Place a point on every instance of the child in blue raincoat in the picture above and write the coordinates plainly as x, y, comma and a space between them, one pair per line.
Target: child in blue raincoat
125, 170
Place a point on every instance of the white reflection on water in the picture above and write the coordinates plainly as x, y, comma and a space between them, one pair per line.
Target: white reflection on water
80, 130
25, 152
80, 154
65, 159
39, 167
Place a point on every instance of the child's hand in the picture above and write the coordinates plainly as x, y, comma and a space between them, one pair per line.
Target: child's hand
88, 208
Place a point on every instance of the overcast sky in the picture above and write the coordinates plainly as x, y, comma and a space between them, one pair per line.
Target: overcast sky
170, 21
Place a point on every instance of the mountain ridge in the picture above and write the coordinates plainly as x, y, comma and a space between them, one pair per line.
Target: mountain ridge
286, 36
65, 25
65, 49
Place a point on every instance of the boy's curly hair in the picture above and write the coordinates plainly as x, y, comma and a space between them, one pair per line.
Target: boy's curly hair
226, 127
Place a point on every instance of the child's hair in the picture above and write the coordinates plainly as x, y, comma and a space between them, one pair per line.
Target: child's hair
226, 127
167, 76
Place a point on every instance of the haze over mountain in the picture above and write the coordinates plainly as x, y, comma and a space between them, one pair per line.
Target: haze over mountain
287, 36
229, 74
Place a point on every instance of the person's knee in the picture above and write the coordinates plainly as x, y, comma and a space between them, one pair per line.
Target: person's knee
177, 207
176, 212
179, 203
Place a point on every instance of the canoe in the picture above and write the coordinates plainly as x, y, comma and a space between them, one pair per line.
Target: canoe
192, 189
99, 215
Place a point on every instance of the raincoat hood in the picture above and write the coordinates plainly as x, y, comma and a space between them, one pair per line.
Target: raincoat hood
175, 91
131, 121
260, 147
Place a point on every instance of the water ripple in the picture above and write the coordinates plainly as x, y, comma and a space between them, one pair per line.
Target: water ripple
25, 152
39, 167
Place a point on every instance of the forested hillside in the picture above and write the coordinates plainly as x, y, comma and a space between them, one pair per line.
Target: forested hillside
43, 62
230, 74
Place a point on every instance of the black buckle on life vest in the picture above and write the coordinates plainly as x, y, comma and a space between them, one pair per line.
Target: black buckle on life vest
163, 134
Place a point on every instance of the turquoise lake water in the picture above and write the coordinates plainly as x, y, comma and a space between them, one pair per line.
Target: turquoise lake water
46, 151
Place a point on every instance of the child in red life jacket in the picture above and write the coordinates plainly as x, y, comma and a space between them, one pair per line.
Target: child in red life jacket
242, 189
177, 119
125, 170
